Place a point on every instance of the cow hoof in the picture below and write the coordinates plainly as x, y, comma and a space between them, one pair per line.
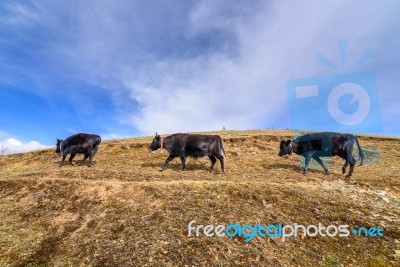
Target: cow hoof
348, 176
327, 173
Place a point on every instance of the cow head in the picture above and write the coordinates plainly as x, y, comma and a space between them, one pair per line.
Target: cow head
285, 148
156, 143
58, 146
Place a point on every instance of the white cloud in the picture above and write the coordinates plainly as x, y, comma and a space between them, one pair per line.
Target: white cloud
247, 88
13, 142
12, 146
112, 136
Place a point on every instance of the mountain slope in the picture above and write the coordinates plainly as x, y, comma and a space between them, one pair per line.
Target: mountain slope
123, 211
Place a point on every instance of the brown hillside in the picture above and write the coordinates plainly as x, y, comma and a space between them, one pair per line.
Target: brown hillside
123, 211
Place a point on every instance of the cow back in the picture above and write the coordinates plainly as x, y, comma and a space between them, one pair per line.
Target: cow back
195, 145
82, 140
327, 143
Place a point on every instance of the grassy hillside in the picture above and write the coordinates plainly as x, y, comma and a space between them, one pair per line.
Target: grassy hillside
123, 211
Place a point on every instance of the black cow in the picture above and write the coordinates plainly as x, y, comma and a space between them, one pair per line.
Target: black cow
80, 143
325, 144
194, 145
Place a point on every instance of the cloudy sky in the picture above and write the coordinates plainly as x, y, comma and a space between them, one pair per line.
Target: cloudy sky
130, 68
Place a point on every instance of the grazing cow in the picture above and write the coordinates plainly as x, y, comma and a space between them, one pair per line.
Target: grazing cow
80, 143
194, 145
325, 144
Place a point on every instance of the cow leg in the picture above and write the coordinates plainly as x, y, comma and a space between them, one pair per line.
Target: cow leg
91, 155
183, 159
213, 160
221, 159
62, 159
344, 167
318, 159
350, 171
72, 157
170, 157
352, 164
307, 156
349, 158
84, 158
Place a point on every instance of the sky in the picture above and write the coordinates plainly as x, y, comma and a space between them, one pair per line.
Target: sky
130, 68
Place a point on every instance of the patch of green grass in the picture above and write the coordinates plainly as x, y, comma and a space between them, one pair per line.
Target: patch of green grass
330, 261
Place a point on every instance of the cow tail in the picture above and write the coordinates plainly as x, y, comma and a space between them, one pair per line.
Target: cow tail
360, 152
98, 141
222, 147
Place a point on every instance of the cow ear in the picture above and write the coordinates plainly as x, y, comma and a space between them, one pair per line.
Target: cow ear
58, 140
288, 142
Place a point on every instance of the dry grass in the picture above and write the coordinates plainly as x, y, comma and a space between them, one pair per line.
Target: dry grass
123, 211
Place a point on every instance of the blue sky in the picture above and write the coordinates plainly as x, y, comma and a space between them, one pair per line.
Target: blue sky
130, 68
